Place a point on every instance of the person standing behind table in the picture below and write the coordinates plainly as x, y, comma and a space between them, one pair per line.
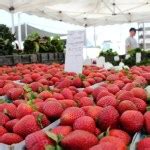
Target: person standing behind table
131, 42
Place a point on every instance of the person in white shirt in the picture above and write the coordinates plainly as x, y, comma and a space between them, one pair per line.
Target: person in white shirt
131, 42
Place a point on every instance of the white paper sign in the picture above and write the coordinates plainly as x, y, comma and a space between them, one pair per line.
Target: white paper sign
116, 58
74, 51
101, 61
138, 57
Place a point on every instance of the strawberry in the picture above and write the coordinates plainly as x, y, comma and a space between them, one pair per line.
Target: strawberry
139, 93
70, 115
97, 132
132, 121
79, 95
68, 103
35, 76
117, 143
92, 111
52, 109
91, 81
44, 81
23, 110
27, 80
105, 146
146, 76
146, 121
128, 86
140, 104
36, 86
37, 141
15, 93
112, 77
10, 138
7, 87
62, 130
119, 83
124, 95
2, 92
85, 123
45, 94
77, 82
58, 96
64, 84
18, 102
79, 140
2, 130
2, 83
144, 144
107, 101
126, 105
26, 126
41, 119
103, 93
88, 90
10, 124
84, 101
108, 117
112, 88
67, 93
9, 109
124, 136
3, 119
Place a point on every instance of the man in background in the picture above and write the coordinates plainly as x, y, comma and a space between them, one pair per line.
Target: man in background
131, 42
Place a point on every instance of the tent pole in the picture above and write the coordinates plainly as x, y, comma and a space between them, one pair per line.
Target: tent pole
12, 21
94, 37
19, 31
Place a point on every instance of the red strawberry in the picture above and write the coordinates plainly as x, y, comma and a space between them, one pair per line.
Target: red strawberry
10, 124
85, 101
124, 95
92, 111
139, 93
26, 126
35, 76
70, 115
67, 93
102, 94
107, 101
8, 87
36, 86
140, 104
3, 119
97, 90
112, 88
88, 90
124, 136
2, 92
67, 103
146, 76
119, 83
77, 82
58, 96
27, 80
37, 141
64, 84
44, 81
41, 119
97, 132
2, 130
132, 121
128, 86
144, 144
18, 102
9, 109
91, 81
45, 94
108, 118
79, 140
126, 105
2, 83
118, 143
10, 138
105, 146
146, 121
15, 93
85, 123
23, 110
62, 130
52, 109
112, 77
80, 95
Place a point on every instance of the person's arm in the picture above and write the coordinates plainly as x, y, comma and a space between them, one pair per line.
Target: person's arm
128, 45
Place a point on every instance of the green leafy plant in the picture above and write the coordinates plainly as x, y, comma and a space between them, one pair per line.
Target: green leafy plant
6, 39
107, 53
35, 44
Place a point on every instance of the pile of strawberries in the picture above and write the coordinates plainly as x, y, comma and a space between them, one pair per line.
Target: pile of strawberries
101, 118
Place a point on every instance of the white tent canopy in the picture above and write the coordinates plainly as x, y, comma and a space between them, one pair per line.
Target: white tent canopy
83, 12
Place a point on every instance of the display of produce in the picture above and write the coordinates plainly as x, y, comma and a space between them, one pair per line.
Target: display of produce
98, 109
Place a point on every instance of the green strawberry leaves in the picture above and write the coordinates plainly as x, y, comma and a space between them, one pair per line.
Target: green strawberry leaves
103, 134
39, 120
